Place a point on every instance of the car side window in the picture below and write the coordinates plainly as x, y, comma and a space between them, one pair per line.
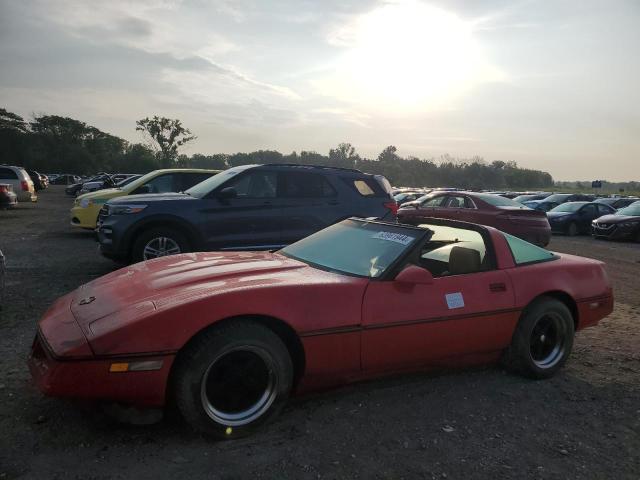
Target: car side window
457, 201
255, 184
304, 185
589, 210
433, 202
454, 251
160, 184
524, 252
603, 210
8, 173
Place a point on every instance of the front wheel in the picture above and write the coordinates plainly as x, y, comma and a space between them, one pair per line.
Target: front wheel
158, 242
232, 379
542, 340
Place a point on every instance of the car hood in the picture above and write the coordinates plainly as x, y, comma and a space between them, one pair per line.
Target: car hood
106, 193
152, 197
148, 286
618, 218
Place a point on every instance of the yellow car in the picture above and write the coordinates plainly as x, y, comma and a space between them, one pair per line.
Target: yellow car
84, 213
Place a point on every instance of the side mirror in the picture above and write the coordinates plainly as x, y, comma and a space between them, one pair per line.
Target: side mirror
227, 193
143, 189
414, 275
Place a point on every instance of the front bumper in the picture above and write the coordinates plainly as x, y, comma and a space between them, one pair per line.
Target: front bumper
90, 379
613, 232
84, 217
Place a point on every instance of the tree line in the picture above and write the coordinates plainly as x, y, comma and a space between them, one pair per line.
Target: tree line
51, 143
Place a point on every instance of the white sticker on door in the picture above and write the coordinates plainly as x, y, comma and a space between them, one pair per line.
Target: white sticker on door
454, 300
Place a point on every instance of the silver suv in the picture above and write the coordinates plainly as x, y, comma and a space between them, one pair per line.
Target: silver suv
22, 184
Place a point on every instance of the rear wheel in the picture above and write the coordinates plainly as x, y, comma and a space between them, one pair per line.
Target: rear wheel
158, 242
543, 339
572, 229
232, 379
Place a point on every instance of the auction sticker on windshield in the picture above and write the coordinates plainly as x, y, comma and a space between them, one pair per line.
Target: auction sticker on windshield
394, 237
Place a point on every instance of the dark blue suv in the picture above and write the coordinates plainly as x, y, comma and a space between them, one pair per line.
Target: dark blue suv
250, 207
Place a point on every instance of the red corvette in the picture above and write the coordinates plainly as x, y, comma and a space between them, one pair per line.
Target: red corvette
229, 336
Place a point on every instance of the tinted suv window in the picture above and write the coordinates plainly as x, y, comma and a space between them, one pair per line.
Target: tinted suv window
524, 252
305, 185
255, 184
8, 173
188, 180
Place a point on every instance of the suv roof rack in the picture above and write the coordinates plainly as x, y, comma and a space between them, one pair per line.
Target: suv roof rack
355, 170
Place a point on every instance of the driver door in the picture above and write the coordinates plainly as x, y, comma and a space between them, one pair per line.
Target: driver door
251, 220
467, 310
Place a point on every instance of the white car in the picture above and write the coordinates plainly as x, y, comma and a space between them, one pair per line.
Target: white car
22, 184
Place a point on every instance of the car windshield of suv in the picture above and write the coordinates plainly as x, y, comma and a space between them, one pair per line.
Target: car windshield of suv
498, 201
203, 188
355, 247
632, 210
568, 207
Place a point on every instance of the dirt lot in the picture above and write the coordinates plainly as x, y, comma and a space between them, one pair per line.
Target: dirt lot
584, 423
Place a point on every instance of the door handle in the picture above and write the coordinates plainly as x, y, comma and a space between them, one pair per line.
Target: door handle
497, 287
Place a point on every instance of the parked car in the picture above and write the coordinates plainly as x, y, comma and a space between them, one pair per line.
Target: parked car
621, 225
65, 179
229, 336
482, 208
570, 197
405, 197
8, 199
540, 205
527, 197
40, 182
617, 202
250, 207
20, 180
84, 213
574, 218
95, 183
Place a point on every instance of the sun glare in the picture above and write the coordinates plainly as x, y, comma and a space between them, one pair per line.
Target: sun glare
407, 55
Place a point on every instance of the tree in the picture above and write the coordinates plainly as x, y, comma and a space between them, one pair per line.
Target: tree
12, 121
344, 156
168, 134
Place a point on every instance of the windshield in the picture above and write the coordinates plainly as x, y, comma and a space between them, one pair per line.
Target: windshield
498, 201
365, 249
524, 198
203, 188
568, 207
606, 201
632, 210
558, 197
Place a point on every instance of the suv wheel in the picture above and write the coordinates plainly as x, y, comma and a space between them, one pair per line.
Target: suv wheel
158, 242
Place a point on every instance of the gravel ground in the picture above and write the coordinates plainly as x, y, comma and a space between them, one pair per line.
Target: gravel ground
484, 423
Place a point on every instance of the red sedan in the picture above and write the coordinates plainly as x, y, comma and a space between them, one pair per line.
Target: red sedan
484, 209
229, 336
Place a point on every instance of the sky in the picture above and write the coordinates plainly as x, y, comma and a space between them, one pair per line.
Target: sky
551, 84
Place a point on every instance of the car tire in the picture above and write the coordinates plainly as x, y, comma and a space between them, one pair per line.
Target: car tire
543, 339
246, 359
165, 241
572, 229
